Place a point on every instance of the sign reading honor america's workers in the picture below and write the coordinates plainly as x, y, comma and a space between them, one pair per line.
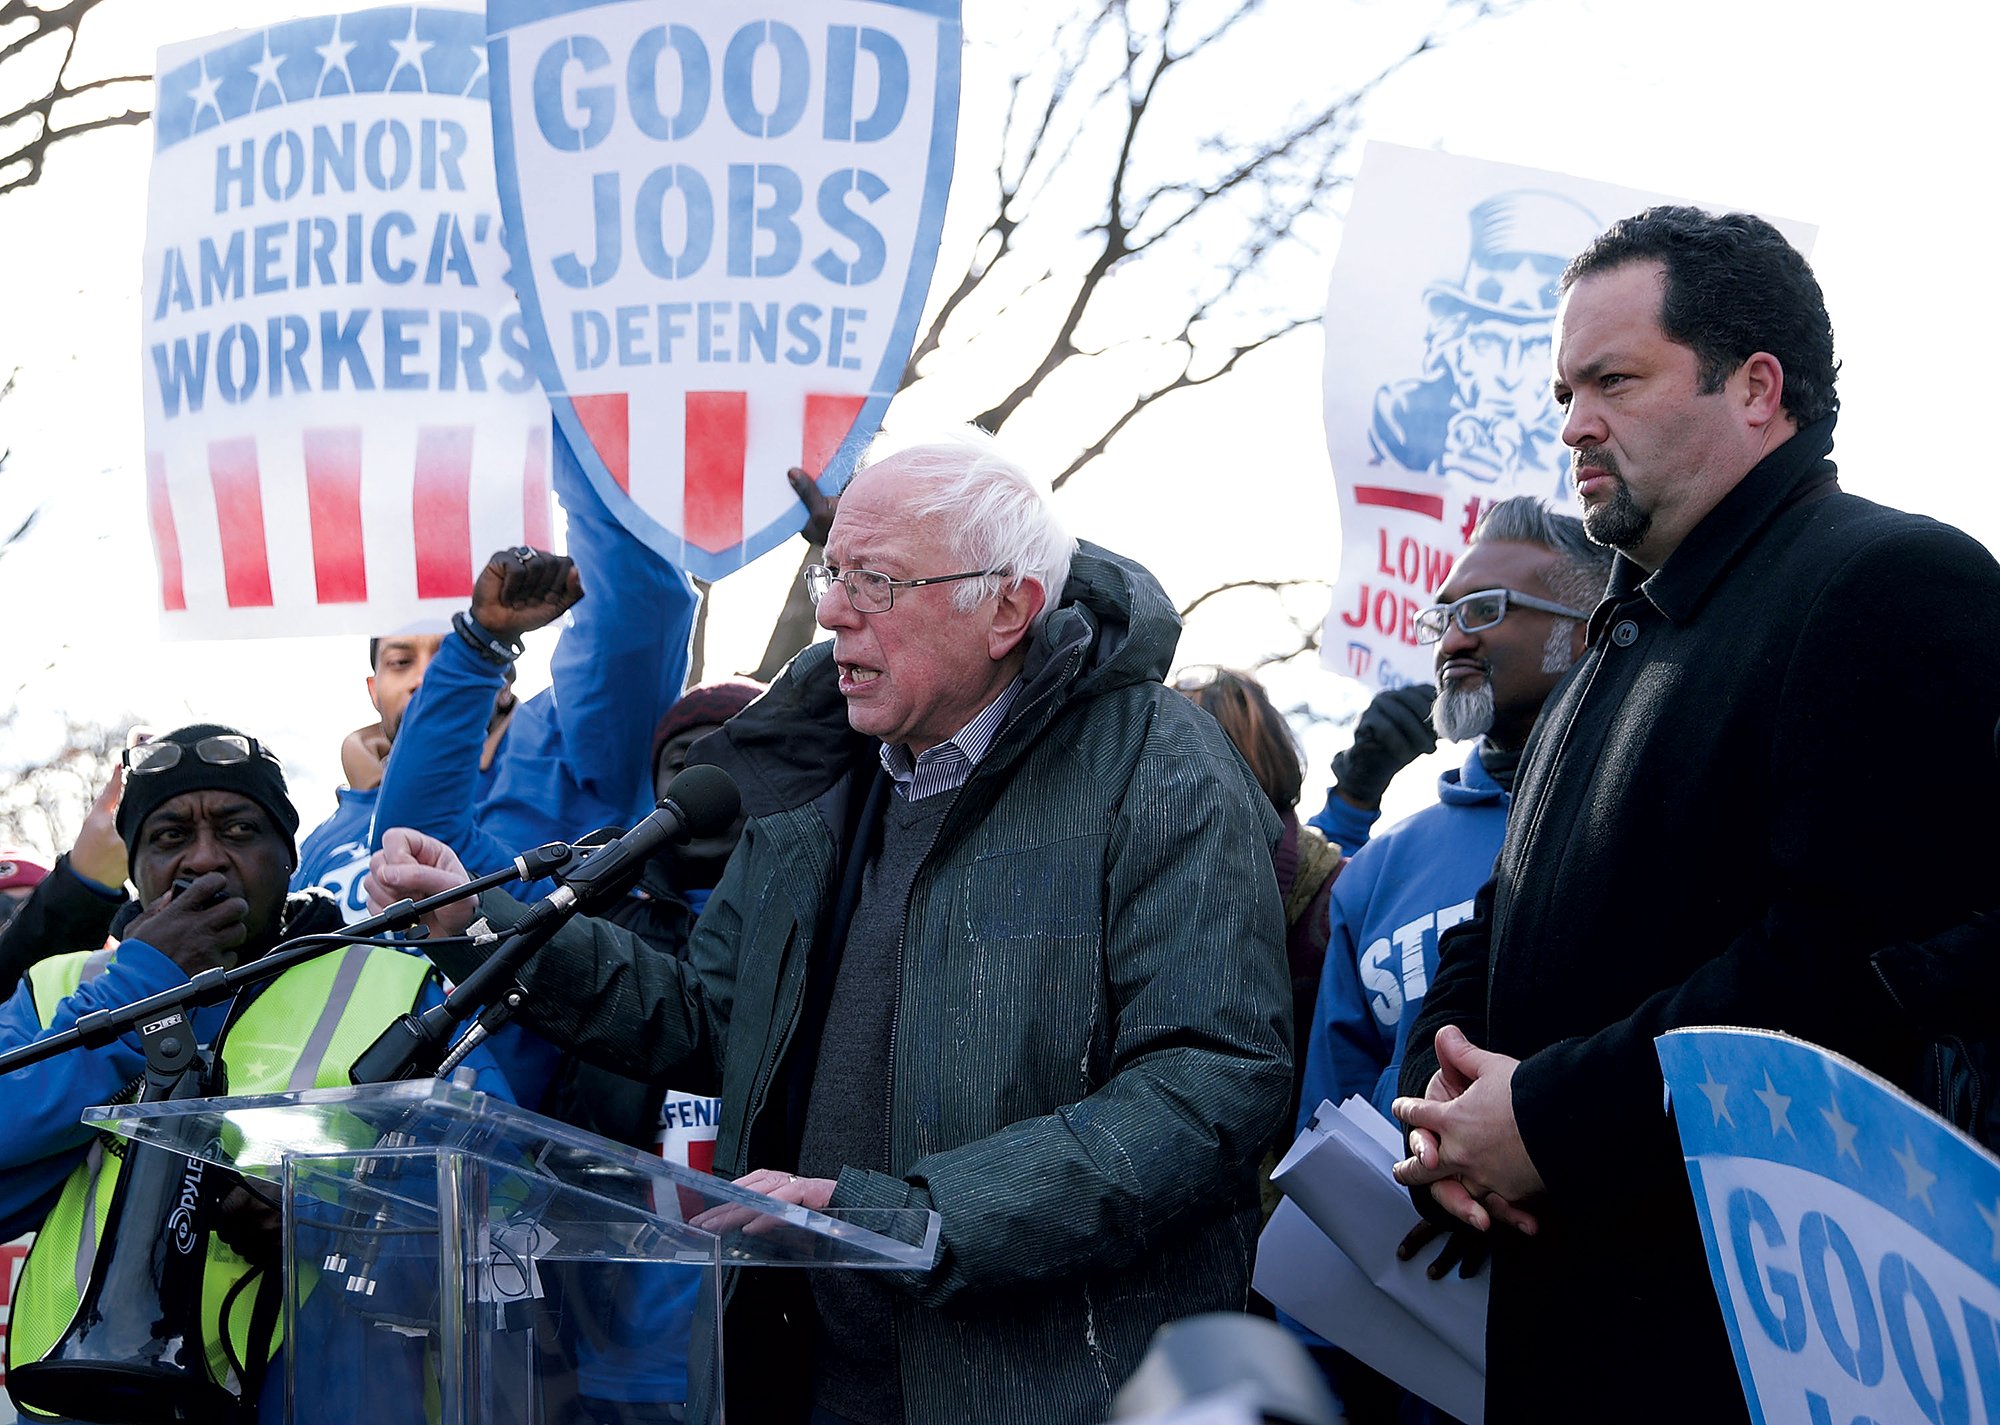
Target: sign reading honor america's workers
723, 220
341, 423
1439, 328
1854, 1238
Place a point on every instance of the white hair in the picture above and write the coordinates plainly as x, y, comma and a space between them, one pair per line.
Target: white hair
995, 516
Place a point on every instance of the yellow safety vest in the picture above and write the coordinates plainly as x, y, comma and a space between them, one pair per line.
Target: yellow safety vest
304, 1031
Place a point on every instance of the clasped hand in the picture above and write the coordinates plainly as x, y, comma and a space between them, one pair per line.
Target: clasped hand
1464, 1143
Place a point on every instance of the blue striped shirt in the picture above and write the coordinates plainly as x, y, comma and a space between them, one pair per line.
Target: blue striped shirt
945, 767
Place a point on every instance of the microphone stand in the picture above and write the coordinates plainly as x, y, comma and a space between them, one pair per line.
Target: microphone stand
419, 1046
700, 798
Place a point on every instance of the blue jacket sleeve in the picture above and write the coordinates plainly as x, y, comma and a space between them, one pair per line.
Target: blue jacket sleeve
1346, 825
45, 1100
576, 756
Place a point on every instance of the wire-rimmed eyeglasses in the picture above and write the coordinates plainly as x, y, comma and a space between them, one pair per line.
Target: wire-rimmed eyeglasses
1477, 612
225, 750
870, 592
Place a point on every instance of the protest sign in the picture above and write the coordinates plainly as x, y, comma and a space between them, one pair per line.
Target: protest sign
723, 222
341, 423
1439, 325
1854, 1238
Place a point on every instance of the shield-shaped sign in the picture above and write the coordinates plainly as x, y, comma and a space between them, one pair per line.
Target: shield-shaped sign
722, 221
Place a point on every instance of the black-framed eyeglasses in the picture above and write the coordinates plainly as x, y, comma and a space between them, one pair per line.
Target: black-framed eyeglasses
870, 592
1477, 612
224, 750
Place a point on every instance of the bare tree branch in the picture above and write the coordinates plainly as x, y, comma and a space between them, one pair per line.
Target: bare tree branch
1275, 586
1181, 382
1106, 128
24, 155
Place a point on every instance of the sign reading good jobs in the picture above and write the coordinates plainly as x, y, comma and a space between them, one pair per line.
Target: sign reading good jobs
1853, 1237
723, 221
1439, 327
341, 421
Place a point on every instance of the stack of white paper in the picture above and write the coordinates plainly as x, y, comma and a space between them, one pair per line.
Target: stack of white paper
1328, 1258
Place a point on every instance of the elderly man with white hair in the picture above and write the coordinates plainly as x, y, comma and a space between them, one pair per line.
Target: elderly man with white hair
1001, 939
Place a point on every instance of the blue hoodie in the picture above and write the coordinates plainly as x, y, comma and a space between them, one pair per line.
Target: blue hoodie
335, 856
1390, 904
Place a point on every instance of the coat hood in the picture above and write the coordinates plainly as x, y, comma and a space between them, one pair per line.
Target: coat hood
1470, 785
1113, 627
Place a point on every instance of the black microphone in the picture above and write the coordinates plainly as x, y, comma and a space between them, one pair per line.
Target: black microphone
700, 801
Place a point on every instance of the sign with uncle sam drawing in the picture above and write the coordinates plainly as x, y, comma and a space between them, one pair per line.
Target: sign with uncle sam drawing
341, 421
1854, 1238
723, 220
1440, 322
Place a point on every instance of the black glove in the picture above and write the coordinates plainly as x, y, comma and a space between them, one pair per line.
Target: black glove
1463, 1248
1394, 731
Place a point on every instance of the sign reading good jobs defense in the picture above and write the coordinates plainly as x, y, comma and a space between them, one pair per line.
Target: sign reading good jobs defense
341, 421
723, 220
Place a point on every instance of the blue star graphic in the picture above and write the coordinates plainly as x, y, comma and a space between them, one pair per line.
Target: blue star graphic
478, 73
334, 54
1777, 1105
266, 70
1522, 287
1844, 1133
1716, 1094
1917, 1179
203, 94
409, 55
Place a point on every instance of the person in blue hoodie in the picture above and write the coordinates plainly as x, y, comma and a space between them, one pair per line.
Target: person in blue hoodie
1507, 625
334, 856
574, 756
1498, 658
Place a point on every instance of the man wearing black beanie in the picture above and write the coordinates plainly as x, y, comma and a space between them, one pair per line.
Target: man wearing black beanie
209, 831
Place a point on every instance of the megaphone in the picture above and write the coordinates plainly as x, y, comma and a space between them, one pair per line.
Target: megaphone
133, 1353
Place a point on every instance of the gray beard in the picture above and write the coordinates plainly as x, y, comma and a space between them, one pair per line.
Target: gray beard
1462, 715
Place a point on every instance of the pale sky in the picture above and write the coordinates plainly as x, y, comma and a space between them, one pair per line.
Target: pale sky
1871, 123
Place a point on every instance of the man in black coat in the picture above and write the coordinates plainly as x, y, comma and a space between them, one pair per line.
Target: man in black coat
1760, 771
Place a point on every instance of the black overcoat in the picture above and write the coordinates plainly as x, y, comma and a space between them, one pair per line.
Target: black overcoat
1775, 756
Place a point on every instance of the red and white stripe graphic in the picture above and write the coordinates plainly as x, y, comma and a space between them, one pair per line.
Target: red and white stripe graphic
255, 534
718, 433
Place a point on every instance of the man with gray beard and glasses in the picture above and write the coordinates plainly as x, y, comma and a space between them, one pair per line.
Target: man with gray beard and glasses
1507, 625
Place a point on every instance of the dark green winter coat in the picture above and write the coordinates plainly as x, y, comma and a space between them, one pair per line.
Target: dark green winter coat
1091, 1047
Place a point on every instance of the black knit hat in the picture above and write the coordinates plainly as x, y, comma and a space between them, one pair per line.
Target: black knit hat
258, 777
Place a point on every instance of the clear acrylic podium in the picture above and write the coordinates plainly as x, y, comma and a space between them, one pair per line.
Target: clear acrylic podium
452, 1258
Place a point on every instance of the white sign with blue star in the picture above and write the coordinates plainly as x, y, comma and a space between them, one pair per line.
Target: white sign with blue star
1854, 1238
341, 422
